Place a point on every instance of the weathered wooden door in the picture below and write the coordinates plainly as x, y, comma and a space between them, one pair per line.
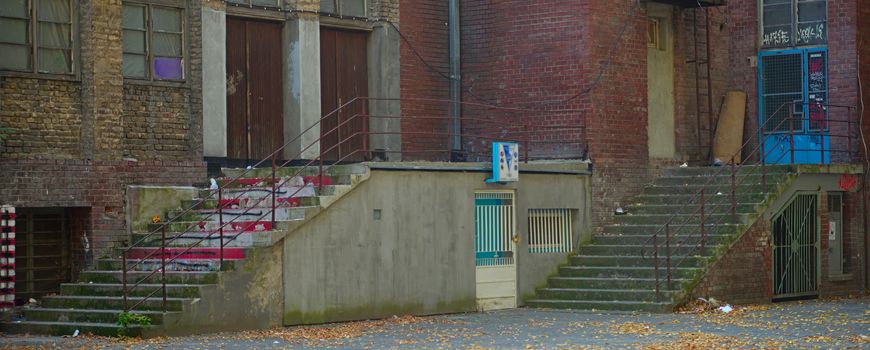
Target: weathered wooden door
343, 77
255, 125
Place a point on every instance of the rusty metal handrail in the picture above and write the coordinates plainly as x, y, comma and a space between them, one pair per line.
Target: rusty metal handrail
221, 204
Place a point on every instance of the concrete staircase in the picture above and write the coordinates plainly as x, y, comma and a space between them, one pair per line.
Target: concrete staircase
93, 303
615, 271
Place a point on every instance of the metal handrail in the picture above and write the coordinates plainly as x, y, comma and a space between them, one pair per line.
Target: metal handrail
221, 204
734, 183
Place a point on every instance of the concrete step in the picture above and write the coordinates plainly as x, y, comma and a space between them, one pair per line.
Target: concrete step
198, 225
723, 178
680, 229
312, 169
612, 283
212, 203
207, 255
648, 295
177, 265
265, 181
66, 328
240, 215
86, 315
685, 219
642, 250
631, 261
670, 209
231, 239
625, 272
116, 289
682, 236
173, 277
154, 303
710, 171
709, 189
694, 200
599, 305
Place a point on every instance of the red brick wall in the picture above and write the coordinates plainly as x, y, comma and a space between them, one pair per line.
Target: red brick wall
424, 25
742, 275
98, 185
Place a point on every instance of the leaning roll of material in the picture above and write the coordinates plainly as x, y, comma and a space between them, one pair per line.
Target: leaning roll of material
729, 132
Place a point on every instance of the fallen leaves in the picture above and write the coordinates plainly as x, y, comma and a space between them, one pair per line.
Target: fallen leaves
698, 341
633, 328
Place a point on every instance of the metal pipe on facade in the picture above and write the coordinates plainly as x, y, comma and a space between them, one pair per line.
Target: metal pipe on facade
455, 73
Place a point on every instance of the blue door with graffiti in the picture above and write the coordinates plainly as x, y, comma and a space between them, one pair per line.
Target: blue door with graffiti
792, 108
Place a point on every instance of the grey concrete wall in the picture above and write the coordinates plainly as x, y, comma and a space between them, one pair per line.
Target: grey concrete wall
302, 86
660, 85
214, 87
143, 202
418, 258
384, 69
247, 297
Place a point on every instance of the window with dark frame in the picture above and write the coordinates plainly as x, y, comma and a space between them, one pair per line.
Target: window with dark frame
353, 8
265, 3
153, 42
788, 23
37, 36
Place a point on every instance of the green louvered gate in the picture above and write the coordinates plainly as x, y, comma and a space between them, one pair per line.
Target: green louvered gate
796, 249
495, 249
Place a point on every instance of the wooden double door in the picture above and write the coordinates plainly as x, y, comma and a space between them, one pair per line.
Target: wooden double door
255, 126
343, 77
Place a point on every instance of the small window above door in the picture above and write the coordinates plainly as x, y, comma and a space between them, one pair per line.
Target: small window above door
352, 8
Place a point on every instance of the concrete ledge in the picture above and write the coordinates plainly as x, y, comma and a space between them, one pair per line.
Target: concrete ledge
569, 167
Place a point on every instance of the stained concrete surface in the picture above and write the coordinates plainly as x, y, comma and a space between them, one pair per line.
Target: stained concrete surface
828, 324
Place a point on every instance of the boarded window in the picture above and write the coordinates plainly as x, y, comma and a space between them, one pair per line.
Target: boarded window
153, 42
550, 230
354, 8
788, 23
47, 40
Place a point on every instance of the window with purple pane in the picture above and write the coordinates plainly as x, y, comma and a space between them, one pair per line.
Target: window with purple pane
168, 68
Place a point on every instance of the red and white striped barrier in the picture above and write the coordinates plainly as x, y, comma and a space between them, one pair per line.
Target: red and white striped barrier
7, 258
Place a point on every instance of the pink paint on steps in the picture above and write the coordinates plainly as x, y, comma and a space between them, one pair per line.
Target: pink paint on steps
192, 254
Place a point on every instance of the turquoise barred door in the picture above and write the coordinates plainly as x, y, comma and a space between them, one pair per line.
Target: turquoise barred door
495, 249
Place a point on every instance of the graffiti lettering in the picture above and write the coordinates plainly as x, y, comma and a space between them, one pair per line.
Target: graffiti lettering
811, 33
778, 37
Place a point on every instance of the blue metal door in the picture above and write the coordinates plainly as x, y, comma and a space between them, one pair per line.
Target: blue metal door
793, 94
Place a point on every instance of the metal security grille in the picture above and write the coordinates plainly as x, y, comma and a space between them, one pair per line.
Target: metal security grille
493, 228
781, 81
796, 248
550, 230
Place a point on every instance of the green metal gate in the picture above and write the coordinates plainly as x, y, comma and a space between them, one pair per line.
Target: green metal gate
796, 249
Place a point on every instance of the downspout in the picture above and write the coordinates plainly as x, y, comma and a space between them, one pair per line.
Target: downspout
455, 78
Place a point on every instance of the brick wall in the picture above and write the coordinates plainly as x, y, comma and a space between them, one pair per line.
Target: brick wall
157, 122
24, 105
72, 133
98, 185
424, 25
742, 275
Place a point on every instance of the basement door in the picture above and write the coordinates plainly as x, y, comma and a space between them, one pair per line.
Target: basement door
343, 77
495, 250
795, 79
42, 254
255, 125
796, 249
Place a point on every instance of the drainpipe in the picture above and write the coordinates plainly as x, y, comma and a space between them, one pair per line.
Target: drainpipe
453, 35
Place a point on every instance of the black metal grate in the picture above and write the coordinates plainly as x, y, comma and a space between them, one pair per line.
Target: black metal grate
796, 248
781, 84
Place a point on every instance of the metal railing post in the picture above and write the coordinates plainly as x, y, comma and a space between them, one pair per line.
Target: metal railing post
274, 190
733, 188
668, 254
124, 277
763, 163
656, 260
822, 142
702, 220
221, 227
163, 264
791, 131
